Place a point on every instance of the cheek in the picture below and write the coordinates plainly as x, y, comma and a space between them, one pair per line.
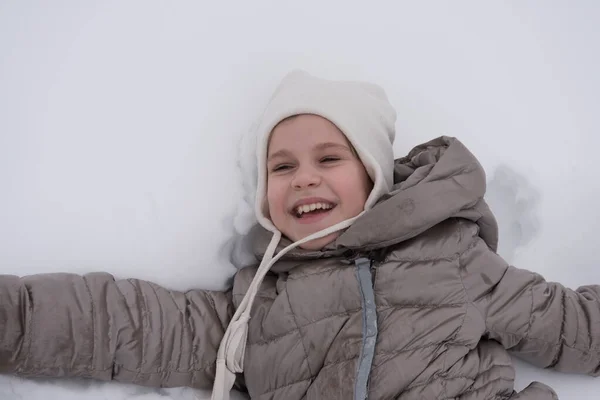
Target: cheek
355, 186
275, 197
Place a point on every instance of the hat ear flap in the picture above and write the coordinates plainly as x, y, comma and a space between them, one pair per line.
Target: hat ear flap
265, 207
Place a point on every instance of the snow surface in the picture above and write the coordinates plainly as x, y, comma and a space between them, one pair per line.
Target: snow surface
122, 131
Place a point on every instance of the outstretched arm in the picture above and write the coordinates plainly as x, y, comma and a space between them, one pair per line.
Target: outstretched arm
59, 325
541, 322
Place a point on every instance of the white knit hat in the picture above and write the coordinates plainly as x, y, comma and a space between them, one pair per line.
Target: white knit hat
359, 109
362, 112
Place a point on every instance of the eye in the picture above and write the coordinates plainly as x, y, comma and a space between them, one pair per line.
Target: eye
330, 159
281, 167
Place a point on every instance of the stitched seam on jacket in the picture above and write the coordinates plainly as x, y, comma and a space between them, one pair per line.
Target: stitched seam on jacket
62, 369
584, 351
455, 335
395, 241
528, 331
489, 295
479, 373
174, 301
466, 293
298, 327
490, 382
589, 332
121, 366
420, 260
161, 319
438, 378
470, 378
214, 308
472, 245
433, 344
198, 310
319, 272
89, 292
397, 352
183, 323
200, 368
287, 293
339, 362
462, 324
256, 297
423, 306
143, 309
453, 257
311, 377
559, 351
465, 168
30, 324
284, 386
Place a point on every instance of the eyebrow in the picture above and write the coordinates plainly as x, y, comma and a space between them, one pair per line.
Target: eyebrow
320, 146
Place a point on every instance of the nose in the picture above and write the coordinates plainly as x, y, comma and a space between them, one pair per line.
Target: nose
305, 178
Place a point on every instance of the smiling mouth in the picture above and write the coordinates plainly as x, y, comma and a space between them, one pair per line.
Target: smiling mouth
306, 210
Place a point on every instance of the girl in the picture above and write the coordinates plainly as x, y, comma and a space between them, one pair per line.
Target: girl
378, 279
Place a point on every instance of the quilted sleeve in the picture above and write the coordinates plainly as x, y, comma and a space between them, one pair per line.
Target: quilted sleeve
541, 322
66, 325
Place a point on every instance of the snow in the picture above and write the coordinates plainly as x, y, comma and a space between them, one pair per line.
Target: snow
122, 131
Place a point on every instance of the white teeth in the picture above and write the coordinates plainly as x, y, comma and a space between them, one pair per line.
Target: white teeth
311, 207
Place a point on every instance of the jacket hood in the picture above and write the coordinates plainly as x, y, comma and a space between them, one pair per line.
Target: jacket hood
437, 180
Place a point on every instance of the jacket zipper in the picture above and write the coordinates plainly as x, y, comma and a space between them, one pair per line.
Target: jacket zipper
365, 276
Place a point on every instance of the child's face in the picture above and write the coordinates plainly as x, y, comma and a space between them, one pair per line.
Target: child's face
310, 161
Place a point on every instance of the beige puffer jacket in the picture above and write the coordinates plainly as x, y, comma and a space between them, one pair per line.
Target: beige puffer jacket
411, 302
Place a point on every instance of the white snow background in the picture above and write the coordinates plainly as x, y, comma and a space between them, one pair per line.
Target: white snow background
120, 124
